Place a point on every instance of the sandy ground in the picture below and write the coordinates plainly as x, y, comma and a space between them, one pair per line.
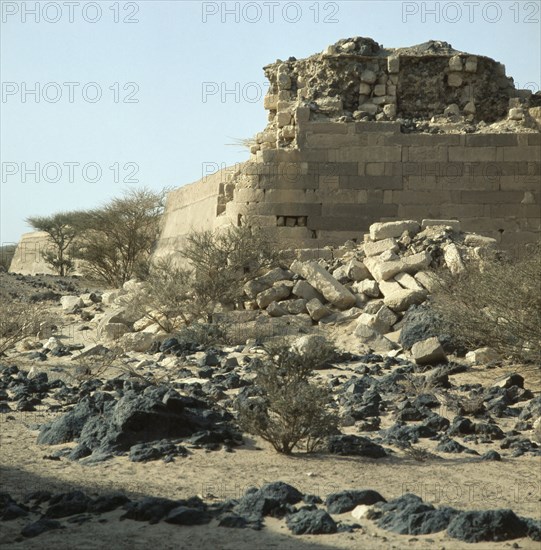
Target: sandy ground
461, 481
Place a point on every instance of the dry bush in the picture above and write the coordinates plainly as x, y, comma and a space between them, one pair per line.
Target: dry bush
496, 304
292, 411
414, 386
419, 454
18, 321
207, 278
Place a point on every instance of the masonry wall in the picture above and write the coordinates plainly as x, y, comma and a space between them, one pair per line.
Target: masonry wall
346, 176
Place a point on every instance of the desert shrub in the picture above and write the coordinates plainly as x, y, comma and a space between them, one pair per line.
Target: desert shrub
291, 410
497, 304
207, 276
18, 321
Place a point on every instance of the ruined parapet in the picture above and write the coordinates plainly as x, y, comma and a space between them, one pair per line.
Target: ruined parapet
357, 79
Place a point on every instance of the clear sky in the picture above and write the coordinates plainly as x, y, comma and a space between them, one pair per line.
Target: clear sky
100, 96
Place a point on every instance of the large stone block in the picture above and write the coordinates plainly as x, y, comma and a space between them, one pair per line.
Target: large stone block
317, 310
379, 247
393, 229
304, 289
276, 293
402, 299
373, 339
380, 270
428, 352
325, 283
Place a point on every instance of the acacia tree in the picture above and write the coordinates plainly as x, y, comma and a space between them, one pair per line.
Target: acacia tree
62, 229
118, 237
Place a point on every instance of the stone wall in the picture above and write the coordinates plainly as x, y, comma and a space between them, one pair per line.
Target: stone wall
346, 176
28, 258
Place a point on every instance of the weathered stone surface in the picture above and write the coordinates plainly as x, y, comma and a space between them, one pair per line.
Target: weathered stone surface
305, 290
453, 224
382, 271
372, 338
317, 310
428, 351
482, 356
71, 303
403, 299
379, 247
453, 260
393, 229
473, 239
325, 283
277, 292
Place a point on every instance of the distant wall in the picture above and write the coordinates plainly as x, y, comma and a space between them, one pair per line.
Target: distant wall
28, 258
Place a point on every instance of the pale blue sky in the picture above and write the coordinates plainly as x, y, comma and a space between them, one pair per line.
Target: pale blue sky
172, 133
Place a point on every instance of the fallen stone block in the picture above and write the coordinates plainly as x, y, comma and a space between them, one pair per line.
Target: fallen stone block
405, 280
482, 356
428, 352
274, 294
386, 318
317, 310
71, 303
393, 229
452, 258
472, 239
382, 271
325, 283
373, 339
453, 224
401, 300
305, 290
379, 247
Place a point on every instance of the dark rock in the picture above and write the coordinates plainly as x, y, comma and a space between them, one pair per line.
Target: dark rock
452, 446
40, 526
151, 509
144, 452
274, 499
409, 515
183, 515
344, 501
107, 503
67, 504
354, 445
401, 434
489, 525
491, 455
311, 522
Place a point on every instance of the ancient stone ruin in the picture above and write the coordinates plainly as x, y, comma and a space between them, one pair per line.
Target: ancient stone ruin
360, 134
